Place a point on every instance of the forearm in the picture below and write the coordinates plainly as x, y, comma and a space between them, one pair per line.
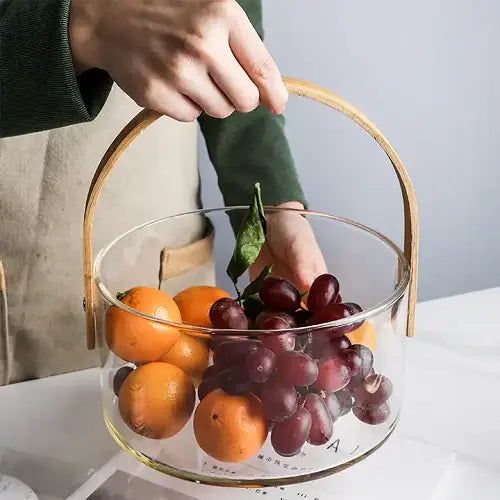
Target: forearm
38, 86
249, 148
252, 147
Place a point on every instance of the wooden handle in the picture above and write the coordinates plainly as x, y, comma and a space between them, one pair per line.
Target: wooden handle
311, 91
176, 261
6, 359
3, 285
294, 86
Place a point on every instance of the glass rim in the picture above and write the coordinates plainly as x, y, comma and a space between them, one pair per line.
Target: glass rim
356, 318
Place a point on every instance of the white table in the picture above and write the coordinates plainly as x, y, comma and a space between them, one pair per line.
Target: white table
52, 436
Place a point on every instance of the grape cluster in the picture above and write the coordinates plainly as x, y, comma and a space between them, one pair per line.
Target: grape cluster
305, 382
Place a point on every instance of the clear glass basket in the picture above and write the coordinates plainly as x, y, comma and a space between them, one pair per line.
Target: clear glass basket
153, 411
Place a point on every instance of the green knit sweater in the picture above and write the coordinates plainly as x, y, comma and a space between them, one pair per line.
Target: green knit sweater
39, 90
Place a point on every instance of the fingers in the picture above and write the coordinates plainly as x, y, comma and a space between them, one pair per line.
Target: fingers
184, 96
306, 262
312, 263
255, 59
303, 255
265, 258
226, 68
229, 69
166, 100
192, 55
305, 276
291, 245
231, 78
203, 91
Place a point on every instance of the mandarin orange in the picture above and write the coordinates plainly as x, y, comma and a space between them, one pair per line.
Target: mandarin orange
230, 428
190, 354
156, 400
195, 302
137, 339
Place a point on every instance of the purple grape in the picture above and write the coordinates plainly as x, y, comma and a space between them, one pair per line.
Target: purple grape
332, 312
354, 309
333, 375
373, 416
279, 294
279, 400
257, 389
270, 320
354, 362
373, 391
326, 347
355, 382
234, 353
296, 368
332, 403
279, 343
235, 381
260, 364
208, 385
217, 339
359, 358
120, 375
345, 401
302, 316
289, 436
210, 372
323, 292
338, 403
322, 424
226, 313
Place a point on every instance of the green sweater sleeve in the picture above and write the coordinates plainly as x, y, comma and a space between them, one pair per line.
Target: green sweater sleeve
39, 90
252, 147
38, 86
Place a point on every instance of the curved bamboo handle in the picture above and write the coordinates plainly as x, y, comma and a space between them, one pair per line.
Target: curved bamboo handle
4, 330
294, 86
312, 91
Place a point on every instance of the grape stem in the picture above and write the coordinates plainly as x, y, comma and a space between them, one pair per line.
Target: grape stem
238, 293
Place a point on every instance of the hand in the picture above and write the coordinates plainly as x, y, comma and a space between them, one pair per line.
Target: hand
291, 248
178, 57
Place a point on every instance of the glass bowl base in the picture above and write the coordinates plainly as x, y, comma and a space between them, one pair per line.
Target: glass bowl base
227, 472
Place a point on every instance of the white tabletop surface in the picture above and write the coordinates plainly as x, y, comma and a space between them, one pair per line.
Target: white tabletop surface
52, 435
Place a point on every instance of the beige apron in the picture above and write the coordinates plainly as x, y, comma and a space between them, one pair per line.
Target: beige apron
43, 185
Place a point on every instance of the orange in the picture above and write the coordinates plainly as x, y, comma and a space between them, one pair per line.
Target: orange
230, 428
156, 400
365, 335
190, 354
140, 340
195, 303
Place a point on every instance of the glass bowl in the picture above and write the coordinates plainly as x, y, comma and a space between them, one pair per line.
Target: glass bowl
157, 416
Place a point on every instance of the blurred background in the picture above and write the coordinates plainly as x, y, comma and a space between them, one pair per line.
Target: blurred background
427, 74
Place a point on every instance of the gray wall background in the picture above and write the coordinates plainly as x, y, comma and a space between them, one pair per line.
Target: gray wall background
427, 73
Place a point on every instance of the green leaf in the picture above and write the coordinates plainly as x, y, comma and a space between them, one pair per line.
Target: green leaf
254, 287
250, 238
